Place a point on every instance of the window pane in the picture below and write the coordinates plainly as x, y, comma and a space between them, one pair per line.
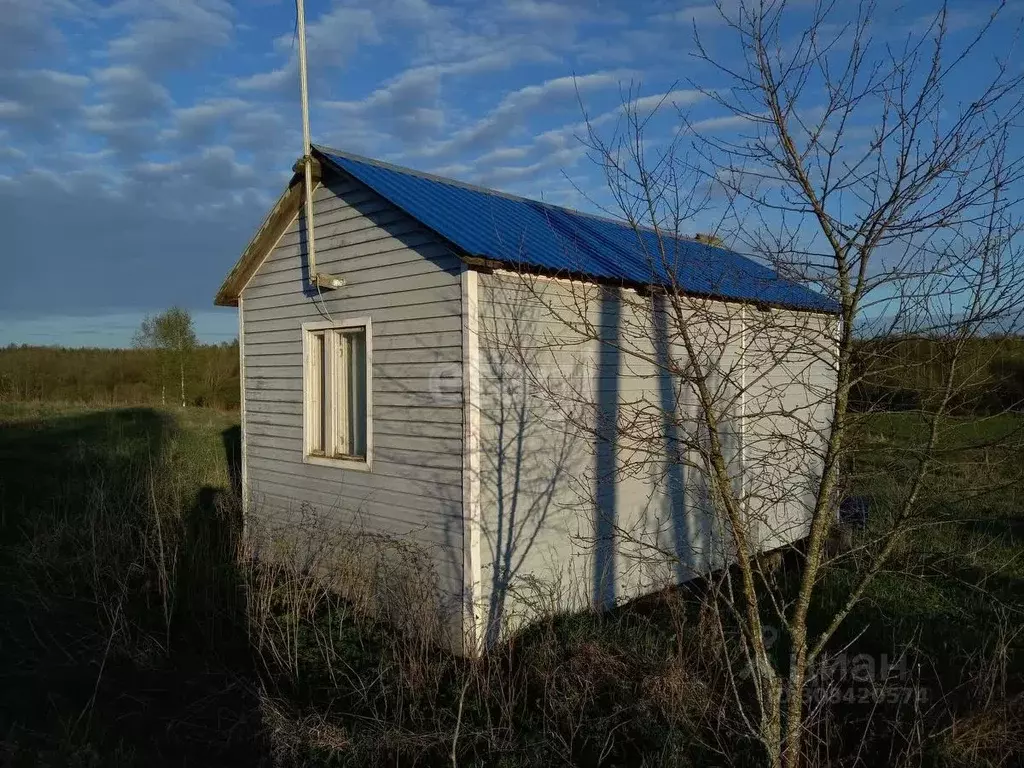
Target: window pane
357, 393
341, 395
316, 389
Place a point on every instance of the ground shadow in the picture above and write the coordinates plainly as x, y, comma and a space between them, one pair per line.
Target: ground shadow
119, 642
231, 439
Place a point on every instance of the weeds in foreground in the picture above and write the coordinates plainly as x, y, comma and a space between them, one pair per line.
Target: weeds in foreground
140, 627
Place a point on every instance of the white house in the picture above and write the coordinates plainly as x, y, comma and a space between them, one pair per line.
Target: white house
476, 373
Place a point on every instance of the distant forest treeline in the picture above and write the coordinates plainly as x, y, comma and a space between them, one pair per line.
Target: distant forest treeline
905, 373
119, 376
899, 374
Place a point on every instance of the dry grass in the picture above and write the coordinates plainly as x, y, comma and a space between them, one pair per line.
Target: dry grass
140, 627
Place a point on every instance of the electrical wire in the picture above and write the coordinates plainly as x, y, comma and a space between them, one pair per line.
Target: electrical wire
326, 312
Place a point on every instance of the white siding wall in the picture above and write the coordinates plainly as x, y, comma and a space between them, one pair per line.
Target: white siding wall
791, 380
571, 519
405, 279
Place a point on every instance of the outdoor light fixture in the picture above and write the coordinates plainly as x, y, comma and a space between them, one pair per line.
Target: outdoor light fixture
322, 280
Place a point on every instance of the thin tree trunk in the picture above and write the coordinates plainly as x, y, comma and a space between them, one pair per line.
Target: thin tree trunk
181, 368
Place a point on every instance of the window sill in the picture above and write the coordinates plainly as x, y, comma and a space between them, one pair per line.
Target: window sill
359, 465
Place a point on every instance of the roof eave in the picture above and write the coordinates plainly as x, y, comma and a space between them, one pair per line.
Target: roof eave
273, 227
489, 264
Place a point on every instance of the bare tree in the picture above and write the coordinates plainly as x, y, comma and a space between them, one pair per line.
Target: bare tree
172, 334
856, 174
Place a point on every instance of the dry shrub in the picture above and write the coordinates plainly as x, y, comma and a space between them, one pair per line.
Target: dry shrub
343, 617
353, 641
991, 737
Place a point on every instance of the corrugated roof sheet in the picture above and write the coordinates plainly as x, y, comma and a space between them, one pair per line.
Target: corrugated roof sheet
527, 233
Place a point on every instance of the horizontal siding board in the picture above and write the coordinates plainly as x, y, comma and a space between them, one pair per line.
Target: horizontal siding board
386, 445
401, 341
365, 256
431, 493
396, 371
441, 476
360, 244
411, 407
325, 196
434, 278
388, 313
360, 233
409, 290
336, 223
420, 462
256, 405
407, 282
424, 388
345, 495
410, 426
284, 353
374, 518
373, 253
387, 327
348, 222
393, 268
348, 196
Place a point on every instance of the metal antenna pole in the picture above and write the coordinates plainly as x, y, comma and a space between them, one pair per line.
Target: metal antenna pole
307, 158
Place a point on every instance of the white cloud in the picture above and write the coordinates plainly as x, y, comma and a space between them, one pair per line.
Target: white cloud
701, 15
675, 98
28, 33
540, 11
130, 102
562, 148
562, 159
198, 123
40, 101
272, 80
408, 107
514, 107
130, 92
725, 122
170, 34
11, 153
503, 155
331, 40
10, 110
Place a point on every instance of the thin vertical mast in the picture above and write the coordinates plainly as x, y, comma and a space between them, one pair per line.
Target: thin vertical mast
307, 158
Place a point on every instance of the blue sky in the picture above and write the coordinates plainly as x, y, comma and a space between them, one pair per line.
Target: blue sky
142, 141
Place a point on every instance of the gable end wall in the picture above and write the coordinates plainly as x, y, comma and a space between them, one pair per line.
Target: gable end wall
407, 281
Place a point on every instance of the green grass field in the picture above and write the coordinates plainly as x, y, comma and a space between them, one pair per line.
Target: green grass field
115, 648
952, 595
126, 639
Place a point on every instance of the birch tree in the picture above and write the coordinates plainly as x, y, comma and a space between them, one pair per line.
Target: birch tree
172, 334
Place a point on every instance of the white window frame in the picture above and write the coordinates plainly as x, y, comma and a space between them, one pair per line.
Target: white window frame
364, 464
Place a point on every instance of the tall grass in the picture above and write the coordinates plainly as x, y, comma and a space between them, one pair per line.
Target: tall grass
142, 627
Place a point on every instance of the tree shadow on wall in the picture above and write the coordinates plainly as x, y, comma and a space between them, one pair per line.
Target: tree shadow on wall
121, 639
554, 427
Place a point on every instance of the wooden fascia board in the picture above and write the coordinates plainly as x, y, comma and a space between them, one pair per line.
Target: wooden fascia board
267, 236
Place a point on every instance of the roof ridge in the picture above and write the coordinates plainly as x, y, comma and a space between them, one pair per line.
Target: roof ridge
508, 195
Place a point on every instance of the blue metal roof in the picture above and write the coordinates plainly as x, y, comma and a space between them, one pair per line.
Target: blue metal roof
531, 234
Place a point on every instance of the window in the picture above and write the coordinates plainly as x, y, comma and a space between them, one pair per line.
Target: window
336, 391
